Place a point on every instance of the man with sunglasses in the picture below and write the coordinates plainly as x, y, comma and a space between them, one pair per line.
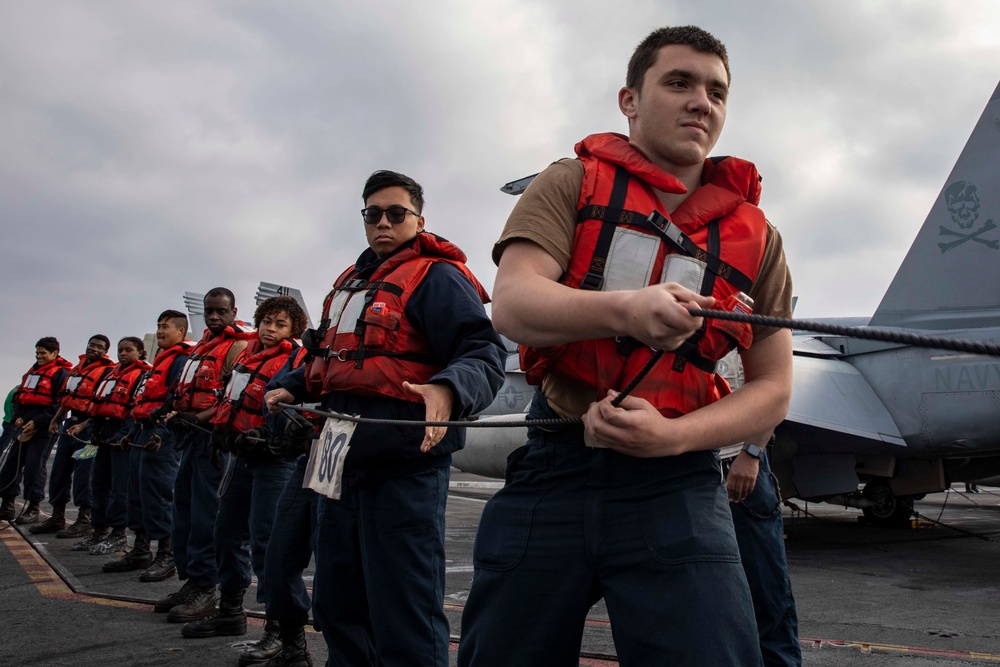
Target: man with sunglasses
404, 336
599, 264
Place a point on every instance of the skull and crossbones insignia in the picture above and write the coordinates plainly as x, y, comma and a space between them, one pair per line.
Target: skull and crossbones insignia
962, 200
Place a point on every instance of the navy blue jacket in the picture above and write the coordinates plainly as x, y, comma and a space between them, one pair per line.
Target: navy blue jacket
447, 310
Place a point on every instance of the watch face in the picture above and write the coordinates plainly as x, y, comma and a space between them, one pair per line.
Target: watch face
752, 450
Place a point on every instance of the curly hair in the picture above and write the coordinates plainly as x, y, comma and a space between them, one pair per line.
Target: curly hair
137, 342
286, 304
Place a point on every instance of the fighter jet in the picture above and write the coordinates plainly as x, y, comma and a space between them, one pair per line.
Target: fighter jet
872, 425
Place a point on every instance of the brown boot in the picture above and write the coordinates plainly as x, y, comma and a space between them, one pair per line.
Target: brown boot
229, 619
29, 515
138, 558
162, 566
7, 510
78, 528
53, 524
200, 605
265, 649
294, 651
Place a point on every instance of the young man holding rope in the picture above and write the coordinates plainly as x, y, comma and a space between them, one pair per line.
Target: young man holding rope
35, 404
70, 475
196, 500
630, 506
404, 336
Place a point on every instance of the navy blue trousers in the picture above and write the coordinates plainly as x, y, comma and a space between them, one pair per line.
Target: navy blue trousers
289, 551
759, 532
69, 474
196, 505
378, 595
109, 477
26, 462
243, 525
573, 524
151, 483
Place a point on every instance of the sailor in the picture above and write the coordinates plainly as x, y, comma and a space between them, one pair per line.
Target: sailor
35, 404
109, 408
756, 508
153, 456
404, 335
256, 474
69, 474
630, 506
195, 500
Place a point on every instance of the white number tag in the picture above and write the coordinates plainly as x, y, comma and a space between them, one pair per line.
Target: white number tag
32, 381
325, 470
73, 382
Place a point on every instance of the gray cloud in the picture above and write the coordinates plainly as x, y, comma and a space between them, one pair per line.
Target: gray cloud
150, 150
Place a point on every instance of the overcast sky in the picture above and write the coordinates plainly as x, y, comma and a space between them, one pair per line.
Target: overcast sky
148, 149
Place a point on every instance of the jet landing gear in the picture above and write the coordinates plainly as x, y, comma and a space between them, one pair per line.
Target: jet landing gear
886, 508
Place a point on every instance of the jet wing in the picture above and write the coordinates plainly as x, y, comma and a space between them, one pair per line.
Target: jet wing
831, 395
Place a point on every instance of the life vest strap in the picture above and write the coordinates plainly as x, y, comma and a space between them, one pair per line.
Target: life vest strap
611, 216
676, 238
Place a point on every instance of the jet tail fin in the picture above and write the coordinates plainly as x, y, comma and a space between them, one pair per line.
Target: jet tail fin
950, 278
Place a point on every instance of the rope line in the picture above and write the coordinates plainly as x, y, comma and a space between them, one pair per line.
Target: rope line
884, 335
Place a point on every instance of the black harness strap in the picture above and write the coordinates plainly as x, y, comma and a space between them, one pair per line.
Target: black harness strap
688, 351
611, 216
673, 235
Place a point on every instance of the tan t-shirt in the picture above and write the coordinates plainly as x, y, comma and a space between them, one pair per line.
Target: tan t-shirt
546, 214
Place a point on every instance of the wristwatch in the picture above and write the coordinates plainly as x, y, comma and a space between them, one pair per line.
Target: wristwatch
753, 450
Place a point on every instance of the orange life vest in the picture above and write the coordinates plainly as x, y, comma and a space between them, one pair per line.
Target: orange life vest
201, 384
713, 244
37, 386
79, 386
114, 395
152, 388
368, 346
242, 406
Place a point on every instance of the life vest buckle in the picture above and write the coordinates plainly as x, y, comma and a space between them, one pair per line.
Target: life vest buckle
666, 229
343, 354
592, 281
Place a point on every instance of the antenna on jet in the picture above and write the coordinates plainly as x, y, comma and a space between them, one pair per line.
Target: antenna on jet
195, 304
267, 290
518, 186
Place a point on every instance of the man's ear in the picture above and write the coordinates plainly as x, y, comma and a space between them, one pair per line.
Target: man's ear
628, 101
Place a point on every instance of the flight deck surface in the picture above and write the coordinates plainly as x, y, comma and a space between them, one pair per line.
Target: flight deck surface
922, 596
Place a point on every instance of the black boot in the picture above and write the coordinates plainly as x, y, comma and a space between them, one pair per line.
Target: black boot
29, 515
7, 510
53, 524
265, 649
294, 652
180, 596
162, 566
200, 605
229, 620
78, 528
139, 557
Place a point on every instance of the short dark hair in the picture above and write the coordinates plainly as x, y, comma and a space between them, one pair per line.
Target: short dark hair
380, 180
277, 304
104, 339
49, 343
222, 291
174, 315
688, 35
139, 345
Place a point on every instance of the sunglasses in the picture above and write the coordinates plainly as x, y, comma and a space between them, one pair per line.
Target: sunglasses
394, 214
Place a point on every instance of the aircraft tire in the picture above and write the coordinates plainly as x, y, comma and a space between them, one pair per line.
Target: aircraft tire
892, 511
